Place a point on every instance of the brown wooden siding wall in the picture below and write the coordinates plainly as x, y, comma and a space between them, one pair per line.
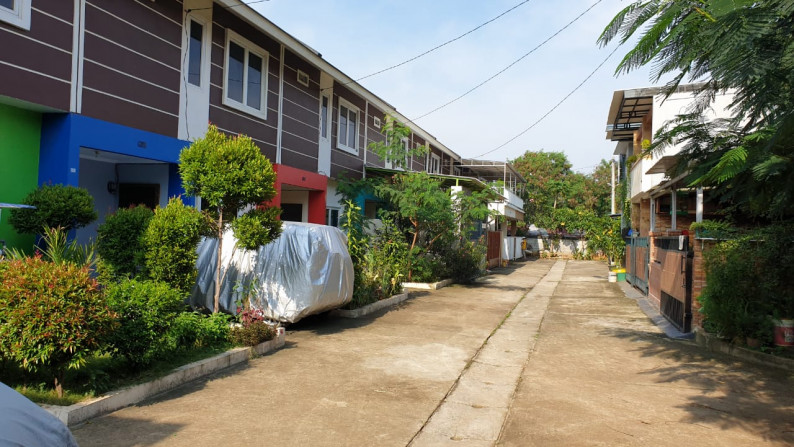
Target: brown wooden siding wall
418, 161
301, 115
36, 65
342, 161
374, 135
132, 63
263, 132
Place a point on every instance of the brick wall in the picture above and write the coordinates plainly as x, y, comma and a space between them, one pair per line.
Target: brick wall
700, 247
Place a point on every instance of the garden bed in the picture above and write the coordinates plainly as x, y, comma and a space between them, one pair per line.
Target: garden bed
82, 411
716, 344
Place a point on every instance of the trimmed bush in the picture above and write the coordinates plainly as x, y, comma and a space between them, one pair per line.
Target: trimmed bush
119, 240
194, 330
467, 262
170, 242
253, 334
145, 311
52, 316
61, 206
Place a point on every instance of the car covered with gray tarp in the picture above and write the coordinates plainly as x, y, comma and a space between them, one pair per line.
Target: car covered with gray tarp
306, 270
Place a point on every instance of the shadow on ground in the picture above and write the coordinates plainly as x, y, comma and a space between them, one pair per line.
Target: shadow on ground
732, 393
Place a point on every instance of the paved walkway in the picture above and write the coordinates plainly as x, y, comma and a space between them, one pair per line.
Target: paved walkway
544, 353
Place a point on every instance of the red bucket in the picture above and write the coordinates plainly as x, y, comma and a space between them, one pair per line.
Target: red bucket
784, 332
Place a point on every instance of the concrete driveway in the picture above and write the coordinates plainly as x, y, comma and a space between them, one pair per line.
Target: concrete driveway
542, 353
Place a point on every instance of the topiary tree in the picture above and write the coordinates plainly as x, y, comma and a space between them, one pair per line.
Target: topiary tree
230, 174
61, 206
119, 240
52, 316
170, 242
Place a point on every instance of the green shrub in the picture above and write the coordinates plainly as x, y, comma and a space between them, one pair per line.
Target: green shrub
749, 282
61, 206
51, 316
170, 242
467, 262
195, 330
253, 334
145, 311
119, 240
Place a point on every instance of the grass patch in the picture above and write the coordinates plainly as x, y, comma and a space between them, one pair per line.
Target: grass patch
101, 374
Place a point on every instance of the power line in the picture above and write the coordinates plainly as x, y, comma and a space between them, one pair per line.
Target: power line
443, 44
511, 64
553, 108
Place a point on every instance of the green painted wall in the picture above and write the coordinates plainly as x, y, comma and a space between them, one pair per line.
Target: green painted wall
20, 135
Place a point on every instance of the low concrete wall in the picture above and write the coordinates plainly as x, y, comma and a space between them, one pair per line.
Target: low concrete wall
427, 285
81, 412
370, 308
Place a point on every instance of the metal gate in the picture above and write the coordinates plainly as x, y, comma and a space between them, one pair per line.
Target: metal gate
637, 258
671, 280
494, 248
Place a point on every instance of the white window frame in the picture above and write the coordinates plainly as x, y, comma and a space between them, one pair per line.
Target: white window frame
303, 78
249, 48
328, 117
19, 16
347, 148
430, 160
329, 211
376, 122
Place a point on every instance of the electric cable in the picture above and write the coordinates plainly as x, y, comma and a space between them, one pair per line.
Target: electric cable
511, 64
553, 108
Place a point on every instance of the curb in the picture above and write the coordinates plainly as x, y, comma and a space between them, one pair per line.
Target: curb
428, 285
715, 344
370, 308
115, 400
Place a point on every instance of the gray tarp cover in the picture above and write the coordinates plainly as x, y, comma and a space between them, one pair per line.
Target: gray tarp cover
23, 423
307, 270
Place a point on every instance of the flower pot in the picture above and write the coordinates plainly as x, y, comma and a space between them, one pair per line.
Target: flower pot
784, 332
613, 277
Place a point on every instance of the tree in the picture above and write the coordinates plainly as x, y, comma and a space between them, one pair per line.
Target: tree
741, 45
231, 175
67, 207
550, 184
394, 150
598, 189
419, 199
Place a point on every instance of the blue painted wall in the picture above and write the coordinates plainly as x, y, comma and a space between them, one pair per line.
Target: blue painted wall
62, 136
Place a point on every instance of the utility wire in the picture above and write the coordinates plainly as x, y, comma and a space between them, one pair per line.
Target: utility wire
553, 108
511, 64
443, 44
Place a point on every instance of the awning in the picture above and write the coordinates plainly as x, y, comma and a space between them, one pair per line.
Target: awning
663, 165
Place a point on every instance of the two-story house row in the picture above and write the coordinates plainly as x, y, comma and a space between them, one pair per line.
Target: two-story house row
104, 94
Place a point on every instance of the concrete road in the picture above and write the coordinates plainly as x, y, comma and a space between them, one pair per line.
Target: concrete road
543, 353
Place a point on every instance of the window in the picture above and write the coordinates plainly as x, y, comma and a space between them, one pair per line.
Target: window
194, 53
347, 133
396, 164
376, 121
325, 102
15, 12
332, 217
245, 81
434, 166
303, 78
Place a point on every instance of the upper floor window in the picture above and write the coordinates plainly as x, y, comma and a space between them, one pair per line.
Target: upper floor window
434, 166
15, 12
347, 133
245, 78
324, 105
194, 53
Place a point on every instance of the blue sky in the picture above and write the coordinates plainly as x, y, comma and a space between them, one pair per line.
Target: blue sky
361, 37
